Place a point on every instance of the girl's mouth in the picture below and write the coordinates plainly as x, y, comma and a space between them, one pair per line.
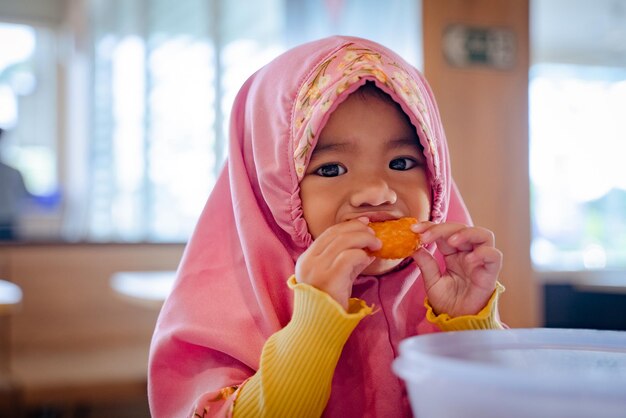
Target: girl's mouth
377, 216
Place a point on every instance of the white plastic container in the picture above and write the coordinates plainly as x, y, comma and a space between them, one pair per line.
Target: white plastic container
529, 373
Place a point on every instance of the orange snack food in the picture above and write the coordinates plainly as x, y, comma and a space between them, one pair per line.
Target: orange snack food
398, 239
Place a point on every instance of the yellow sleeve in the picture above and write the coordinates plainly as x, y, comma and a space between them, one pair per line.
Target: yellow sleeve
298, 362
487, 318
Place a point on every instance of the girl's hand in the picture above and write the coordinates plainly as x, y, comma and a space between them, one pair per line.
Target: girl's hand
472, 266
337, 257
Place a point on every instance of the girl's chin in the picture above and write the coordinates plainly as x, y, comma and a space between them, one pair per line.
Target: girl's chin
381, 266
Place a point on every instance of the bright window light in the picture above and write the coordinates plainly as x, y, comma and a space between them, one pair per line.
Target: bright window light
578, 180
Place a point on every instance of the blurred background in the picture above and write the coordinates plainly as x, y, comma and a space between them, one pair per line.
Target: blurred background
114, 121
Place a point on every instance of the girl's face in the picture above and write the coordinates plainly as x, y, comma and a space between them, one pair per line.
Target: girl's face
367, 162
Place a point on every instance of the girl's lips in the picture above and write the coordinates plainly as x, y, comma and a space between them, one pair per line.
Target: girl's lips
376, 216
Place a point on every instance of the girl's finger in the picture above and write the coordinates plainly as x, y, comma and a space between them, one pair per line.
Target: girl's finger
439, 234
335, 232
467, 238
488, 259
429, 267
430, 232
421, 227
455, 237
351, 263
353, 240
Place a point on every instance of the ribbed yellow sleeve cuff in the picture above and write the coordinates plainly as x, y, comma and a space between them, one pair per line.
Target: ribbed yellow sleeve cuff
298, 362
487, 318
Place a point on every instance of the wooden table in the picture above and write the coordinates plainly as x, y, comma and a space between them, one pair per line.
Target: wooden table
10, 301
145, 288
10, 297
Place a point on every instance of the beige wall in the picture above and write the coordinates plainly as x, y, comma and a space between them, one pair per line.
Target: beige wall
485, 114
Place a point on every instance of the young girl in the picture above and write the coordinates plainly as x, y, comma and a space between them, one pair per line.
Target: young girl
278, 309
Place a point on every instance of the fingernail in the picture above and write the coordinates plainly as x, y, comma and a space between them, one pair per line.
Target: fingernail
364, 219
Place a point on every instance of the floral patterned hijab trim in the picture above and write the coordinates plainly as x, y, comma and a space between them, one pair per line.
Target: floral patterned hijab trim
334, 76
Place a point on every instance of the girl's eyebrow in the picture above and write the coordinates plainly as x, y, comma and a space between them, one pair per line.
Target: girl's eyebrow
333, 147
348, 146
403, 142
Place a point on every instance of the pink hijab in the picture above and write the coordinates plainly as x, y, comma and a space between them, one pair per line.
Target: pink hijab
231, 292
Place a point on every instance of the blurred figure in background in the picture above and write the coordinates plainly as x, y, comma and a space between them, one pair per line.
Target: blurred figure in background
13, 196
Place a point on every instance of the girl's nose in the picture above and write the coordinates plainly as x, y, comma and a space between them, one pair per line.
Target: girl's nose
375, 192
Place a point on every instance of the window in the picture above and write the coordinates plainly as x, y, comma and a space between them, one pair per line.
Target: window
164, 78
577, 97
578, 180
28, 99
127, 147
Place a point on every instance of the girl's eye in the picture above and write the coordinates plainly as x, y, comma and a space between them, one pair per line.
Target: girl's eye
330, 170
402, 163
